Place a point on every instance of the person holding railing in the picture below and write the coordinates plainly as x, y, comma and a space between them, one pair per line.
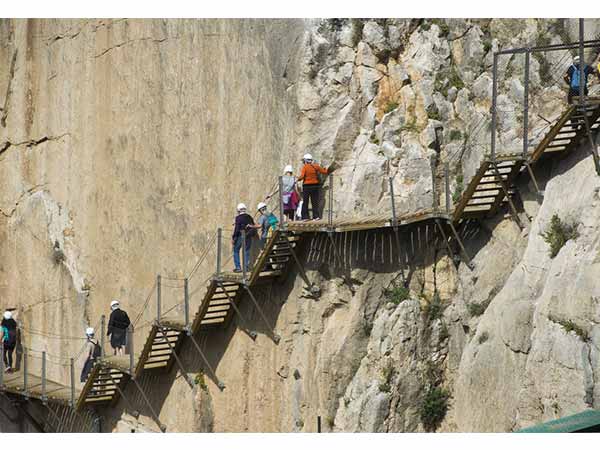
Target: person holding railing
572, 78
311, 177
243, 222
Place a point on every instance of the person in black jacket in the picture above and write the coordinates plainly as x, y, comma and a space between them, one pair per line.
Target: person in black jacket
117, 328
9, 339
243, 222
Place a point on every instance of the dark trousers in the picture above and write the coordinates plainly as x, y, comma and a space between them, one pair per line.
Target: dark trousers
289, 213
237, 246
574, 92
311, 192
8, 355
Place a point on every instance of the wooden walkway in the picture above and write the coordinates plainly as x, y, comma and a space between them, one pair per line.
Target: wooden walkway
489, 189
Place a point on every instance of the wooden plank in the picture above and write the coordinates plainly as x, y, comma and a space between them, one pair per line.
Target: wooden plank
468, 193
510, 179
551, 134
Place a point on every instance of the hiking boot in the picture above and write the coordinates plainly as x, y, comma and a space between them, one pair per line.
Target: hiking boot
236, 270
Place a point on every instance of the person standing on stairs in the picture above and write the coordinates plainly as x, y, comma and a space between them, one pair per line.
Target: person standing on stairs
92, 352
9, 339
117, 328
290, 195
310, 175
243, 222
572, 79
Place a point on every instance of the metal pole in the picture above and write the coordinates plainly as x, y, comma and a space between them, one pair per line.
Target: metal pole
158, 295
526, 107
434, 193
162, 427
44, 398
251, 333
281, 203
186, 303
219, 247
25, 371
244, 262
582, 81
72, 382
131, 355
276, 337
318, 424
330, 202
1, 364
447, 182
102, 334
220, 384
176, 357
494, 95
392, 196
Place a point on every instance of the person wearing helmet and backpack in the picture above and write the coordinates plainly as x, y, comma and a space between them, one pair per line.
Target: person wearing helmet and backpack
266, 222
243, 222
310, 175
572, 78
9, 339
117, 328
290, 196
92, 352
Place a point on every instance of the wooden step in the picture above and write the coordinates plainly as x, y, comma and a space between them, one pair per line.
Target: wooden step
218, 308
211, 321
215, 315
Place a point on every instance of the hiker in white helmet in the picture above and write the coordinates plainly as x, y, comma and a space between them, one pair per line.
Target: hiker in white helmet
267, 222
9, 339
92, 351
310, 175
290, 195
117, 328
572, 78
243, 223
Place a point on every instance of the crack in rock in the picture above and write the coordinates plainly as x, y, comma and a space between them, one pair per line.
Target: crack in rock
31, 142
11, 75
157, 41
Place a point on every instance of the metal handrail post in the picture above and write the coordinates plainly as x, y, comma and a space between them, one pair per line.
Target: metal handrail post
494, 95
447, 185
44, 398
131, 352
330, 201
102, 335
25, 371
158, 297
244, 262
582, 80
186, 303
72, 382
392, 196
526, 107
281, 227
219, 249
1, 364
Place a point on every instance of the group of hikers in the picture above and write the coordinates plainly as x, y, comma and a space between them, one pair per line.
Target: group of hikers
311, 176
116, 331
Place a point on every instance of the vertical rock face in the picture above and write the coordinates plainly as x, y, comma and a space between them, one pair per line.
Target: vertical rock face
125, 143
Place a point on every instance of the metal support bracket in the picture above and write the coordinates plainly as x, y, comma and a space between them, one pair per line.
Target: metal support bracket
177, 360
162, 427
56, 417
276, 337
251, 333
515, 214
220, 384
594, 148
469, 262
445, 237
312, 288
134, 412
533, 178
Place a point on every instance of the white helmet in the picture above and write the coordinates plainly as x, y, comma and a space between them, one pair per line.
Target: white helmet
89, 331
261, 205
288, 168
114, 304
241, 206
7, 315
307, 156
576, 59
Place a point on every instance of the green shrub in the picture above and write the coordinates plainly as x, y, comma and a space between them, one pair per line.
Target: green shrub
200, 381
443, 26
434, 308
373, 139
433, 408
483, 337
569, 325
390, 106
397, 294
387, 374
477, 309
487, 45
458, 188
558, 233
433, 113
455, 135
410, 126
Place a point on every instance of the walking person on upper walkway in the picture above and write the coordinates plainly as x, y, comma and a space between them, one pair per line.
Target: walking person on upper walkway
311, 177
572, 78
9, 339
243, 222
117, 328
92, 352
289, 196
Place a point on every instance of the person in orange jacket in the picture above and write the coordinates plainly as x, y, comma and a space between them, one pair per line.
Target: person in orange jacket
311, 186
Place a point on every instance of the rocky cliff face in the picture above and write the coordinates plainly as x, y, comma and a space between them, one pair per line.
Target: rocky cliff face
125, 143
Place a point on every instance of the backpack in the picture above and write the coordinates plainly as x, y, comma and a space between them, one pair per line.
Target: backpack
273, 221
9, 336
97, 352
320, 176
575, 77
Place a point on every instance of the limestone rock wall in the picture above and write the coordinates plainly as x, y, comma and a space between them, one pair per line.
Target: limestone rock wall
125, 143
